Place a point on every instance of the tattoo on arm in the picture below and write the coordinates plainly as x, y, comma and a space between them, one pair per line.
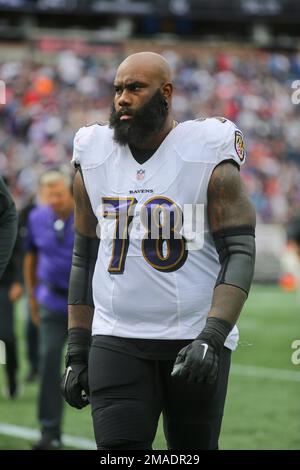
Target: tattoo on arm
228, 206
228, 202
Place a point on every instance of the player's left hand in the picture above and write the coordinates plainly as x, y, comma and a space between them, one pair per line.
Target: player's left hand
197, 363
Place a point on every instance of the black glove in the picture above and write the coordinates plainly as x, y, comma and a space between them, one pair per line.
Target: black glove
198, 362
75, 385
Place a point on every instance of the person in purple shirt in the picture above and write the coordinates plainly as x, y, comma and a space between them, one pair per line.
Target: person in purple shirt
47, 266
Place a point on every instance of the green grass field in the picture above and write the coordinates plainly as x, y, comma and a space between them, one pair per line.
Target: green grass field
263, 407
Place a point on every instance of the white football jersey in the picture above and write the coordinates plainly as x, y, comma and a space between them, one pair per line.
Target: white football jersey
145, 284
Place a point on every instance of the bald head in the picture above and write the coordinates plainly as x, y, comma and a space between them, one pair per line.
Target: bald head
151, 64
142, 108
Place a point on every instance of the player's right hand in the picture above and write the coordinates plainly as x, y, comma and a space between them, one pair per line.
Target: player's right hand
75, 386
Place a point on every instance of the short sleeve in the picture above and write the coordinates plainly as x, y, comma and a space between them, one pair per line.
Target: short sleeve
211, 140
77, 147
92, 144
232, 147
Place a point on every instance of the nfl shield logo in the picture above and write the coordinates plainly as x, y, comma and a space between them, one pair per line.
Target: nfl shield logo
140, 174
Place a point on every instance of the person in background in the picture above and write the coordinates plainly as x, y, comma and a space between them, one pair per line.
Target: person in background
290, 258
31, 330
8, 226
47, 266
11, 290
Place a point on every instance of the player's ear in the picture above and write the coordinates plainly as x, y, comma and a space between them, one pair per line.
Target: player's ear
167, 90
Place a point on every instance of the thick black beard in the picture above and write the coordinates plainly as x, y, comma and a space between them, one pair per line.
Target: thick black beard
144, 124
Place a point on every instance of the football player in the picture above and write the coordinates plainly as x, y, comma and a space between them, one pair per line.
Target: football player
153, 307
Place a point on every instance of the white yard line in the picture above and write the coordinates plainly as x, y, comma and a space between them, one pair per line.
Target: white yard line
265, 373
30, 434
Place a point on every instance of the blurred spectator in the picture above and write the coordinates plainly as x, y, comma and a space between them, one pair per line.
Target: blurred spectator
47, 266
31, 331
8, 226
47, 104
290, 258
11, 289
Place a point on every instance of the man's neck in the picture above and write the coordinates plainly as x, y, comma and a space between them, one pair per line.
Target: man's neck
155, 141
141, 155
63, 215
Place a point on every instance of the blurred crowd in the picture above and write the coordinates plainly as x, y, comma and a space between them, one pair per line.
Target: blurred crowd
47, 104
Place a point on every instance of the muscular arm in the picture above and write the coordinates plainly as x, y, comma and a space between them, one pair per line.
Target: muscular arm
75, 385
81, 316
228, 207
232, 220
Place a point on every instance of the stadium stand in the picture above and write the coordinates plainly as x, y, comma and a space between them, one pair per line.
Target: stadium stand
47, 102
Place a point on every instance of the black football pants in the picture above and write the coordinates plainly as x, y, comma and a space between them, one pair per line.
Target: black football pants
128, 394
53, 332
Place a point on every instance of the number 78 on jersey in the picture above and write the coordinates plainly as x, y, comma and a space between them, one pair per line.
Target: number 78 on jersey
165, 230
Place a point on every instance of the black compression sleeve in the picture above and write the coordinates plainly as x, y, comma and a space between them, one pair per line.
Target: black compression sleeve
236, 249
85, 254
